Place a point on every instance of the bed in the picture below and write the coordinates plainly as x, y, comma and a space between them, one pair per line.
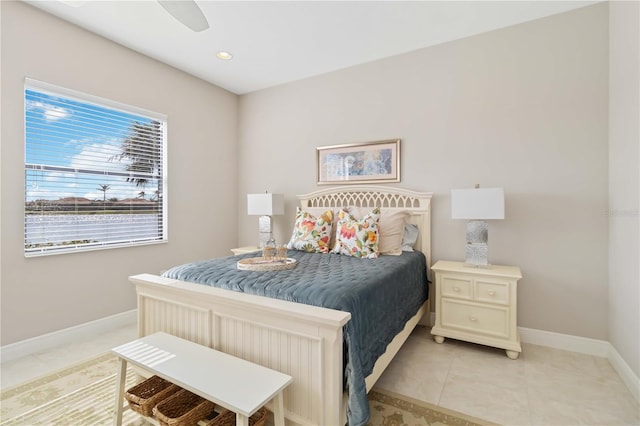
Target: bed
301, 340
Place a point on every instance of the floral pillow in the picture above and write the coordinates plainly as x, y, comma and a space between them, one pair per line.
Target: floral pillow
357, 238
390, 228
310, 233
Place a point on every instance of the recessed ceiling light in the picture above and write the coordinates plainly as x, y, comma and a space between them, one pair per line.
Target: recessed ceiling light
225, 56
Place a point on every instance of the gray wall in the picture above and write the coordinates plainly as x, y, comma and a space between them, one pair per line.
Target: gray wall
624, 181
524, 108
44, 294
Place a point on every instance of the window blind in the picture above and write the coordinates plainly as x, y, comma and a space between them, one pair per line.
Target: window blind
95, 172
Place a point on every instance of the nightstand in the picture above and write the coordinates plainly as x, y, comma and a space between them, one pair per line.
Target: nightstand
243, 250
477, 305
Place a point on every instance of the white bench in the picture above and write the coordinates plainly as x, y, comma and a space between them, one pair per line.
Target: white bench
233, 383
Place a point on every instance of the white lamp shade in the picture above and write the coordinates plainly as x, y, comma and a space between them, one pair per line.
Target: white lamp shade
478, 203
265, 204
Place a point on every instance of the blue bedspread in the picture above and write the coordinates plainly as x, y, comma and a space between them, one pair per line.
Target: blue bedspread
381, 295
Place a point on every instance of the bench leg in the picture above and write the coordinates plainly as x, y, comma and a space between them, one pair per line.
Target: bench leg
278, 410
122, 374
242, 420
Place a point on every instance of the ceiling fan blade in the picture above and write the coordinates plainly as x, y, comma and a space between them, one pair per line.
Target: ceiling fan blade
187, 12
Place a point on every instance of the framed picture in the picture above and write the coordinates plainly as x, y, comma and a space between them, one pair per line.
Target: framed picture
369, 162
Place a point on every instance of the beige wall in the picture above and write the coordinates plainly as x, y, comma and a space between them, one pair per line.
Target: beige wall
624, 181
45, 294
524, 108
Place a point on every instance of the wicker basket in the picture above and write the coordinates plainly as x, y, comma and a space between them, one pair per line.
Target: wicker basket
182, 409
228, 418
145, 395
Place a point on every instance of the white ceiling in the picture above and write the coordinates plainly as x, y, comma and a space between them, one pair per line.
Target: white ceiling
282, 41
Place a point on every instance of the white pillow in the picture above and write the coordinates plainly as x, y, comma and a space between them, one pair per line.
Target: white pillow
410, 236
390, 228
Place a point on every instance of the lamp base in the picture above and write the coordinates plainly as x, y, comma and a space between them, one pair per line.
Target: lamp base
476, 249
265, 230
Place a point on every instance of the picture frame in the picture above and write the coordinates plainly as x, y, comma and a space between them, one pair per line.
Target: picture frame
366, 162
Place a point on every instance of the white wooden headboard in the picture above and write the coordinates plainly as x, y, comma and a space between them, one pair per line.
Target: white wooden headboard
385, 197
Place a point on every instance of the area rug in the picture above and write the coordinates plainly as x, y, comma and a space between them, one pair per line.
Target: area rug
84, 395
391, 409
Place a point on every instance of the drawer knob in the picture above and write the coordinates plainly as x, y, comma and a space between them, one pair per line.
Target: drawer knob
492, 293
473, 319
456, 289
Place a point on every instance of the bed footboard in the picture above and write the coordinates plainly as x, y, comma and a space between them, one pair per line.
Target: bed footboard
300, 340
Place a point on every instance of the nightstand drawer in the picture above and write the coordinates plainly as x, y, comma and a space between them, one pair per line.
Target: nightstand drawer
492, 291
492, 321
456, 286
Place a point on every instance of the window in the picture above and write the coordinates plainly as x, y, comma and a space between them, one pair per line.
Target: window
94, 172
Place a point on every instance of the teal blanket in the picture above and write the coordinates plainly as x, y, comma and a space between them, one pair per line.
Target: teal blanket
381, 295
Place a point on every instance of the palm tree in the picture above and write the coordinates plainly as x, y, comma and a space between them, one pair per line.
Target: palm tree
104, 189
143, 149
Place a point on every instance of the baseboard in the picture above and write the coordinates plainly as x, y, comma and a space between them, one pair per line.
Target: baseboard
583, 345
68, 335
625, 372
586, 346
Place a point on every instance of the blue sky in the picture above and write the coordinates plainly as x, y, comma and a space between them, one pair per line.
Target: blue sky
76, 135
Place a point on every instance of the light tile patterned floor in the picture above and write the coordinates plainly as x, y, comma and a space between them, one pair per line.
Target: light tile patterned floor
37, 365
543, 386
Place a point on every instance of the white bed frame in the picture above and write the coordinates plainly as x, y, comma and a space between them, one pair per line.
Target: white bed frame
300, 340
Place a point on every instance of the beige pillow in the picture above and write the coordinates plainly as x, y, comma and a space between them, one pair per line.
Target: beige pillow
391, 228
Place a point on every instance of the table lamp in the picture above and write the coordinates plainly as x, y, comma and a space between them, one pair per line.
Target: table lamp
265, 205
477, 205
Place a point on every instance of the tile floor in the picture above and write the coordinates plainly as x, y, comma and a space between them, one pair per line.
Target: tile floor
543, 386
40, 364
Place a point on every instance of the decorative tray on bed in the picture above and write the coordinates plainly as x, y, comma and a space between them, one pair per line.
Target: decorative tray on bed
263, 264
